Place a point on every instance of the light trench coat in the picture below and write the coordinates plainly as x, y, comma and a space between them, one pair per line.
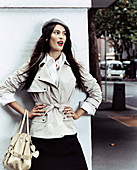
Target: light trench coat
54, 123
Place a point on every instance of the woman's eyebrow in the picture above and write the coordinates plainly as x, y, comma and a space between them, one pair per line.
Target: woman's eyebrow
59, 30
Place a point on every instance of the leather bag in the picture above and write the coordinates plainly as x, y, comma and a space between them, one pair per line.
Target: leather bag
21, 149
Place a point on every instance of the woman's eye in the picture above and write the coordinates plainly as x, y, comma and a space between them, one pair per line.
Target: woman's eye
64, 33
56, 32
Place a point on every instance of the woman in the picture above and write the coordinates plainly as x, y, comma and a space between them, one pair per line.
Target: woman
50, 77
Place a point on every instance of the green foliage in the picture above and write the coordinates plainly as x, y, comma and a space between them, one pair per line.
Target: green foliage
120, 22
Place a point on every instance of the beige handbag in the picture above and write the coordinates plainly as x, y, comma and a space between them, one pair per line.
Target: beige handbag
21, 149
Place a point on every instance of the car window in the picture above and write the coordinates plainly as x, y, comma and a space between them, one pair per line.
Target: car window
115, 66
102, 66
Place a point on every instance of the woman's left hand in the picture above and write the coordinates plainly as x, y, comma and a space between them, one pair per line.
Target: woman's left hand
70, 112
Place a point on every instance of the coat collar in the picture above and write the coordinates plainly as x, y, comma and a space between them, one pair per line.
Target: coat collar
43, 73
44, 61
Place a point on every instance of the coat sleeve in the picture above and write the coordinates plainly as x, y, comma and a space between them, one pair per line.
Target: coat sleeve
11, 84
93, 90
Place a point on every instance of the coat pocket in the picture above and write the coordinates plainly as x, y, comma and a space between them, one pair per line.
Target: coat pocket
40, 119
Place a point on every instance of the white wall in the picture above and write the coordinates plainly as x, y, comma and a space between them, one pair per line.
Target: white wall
46, 3
19, 30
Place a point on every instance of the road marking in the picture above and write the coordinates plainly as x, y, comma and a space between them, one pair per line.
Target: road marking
130, 121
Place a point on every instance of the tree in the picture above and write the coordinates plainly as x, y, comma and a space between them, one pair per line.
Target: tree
120, 22
93, 50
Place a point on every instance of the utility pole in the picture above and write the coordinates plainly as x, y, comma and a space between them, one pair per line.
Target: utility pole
105, 50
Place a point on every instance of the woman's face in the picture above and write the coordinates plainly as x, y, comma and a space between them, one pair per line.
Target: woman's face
57, 38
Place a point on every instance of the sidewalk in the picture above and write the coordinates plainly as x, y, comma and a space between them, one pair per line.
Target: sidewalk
114, 143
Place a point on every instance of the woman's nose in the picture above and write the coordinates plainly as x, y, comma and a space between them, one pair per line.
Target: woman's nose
61, 35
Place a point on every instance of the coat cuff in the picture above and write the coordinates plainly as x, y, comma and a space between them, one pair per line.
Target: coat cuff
7, 99
90, 110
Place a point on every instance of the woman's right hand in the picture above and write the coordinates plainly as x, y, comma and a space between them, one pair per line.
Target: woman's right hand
37, 110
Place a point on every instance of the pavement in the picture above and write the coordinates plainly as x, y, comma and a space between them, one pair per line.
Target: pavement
114, 143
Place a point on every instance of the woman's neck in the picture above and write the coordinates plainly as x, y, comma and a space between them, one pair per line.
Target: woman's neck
54, 54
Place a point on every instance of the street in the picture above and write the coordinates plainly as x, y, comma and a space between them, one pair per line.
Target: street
130, 91
114, 142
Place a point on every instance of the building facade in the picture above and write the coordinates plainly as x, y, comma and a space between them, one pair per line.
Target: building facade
21, 23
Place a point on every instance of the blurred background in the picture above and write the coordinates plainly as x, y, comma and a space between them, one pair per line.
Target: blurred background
113, 61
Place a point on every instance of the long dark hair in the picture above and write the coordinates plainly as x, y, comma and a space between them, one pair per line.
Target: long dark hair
42, 47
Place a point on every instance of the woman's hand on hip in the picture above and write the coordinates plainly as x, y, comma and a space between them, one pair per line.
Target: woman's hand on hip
38, 110
70, 112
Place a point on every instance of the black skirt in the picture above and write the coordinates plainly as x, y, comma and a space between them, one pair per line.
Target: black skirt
59, 154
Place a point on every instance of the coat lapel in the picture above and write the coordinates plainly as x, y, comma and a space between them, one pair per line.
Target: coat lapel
43, 75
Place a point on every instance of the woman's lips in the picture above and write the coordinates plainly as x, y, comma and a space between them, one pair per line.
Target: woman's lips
60, 43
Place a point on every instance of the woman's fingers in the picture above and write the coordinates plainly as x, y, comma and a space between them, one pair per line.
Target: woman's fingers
36, 114
32, 114
68, 108
70, 112
39, 106
37, 110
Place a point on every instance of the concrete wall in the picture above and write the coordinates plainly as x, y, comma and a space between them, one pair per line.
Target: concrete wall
19, 30
46, 3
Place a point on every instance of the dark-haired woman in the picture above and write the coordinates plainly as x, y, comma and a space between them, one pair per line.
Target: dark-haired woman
50, 76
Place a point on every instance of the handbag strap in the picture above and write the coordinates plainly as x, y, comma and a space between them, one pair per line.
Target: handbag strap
24, 120
21, 120
27, 122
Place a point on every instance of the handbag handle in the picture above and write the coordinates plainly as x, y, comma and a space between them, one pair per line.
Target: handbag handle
24, 120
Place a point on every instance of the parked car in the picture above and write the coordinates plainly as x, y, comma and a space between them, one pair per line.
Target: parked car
114, 70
